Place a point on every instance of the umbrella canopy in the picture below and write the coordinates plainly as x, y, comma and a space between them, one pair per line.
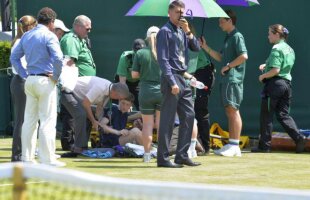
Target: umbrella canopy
193, 8
237, 2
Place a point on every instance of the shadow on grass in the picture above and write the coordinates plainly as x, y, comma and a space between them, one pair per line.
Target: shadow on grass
118, 167
5, 149
2, 158
107, 161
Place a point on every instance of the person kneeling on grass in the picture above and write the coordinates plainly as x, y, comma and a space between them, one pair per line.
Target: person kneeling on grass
114, 122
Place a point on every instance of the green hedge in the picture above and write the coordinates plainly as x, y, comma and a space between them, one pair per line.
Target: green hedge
5, 51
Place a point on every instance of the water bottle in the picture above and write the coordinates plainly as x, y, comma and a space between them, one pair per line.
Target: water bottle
198, 85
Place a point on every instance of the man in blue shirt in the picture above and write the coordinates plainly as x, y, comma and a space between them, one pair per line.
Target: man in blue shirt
44, 61
173, 41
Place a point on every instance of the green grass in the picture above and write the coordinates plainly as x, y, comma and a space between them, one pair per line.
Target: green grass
279, 170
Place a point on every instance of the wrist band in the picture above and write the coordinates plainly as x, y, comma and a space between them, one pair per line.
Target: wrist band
191, 77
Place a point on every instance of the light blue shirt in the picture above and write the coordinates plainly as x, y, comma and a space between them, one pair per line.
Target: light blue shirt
42, 51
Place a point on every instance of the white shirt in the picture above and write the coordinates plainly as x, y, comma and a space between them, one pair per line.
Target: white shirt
94, 88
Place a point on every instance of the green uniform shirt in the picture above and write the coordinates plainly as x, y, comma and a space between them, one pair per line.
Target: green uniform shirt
124, 67
197, 60
76, 48
148, 68
282, 56
234, 46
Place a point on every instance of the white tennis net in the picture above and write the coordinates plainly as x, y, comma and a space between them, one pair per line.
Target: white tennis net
59, 183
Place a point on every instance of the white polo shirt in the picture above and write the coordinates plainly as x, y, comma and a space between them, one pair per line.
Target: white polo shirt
94, 88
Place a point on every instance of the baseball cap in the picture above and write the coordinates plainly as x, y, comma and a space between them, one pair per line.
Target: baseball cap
138, 44
59, 24
152, 29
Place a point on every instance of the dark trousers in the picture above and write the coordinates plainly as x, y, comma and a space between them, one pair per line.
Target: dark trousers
203, 122
19, 100
183, 105
205, 75
77, 111
276, 99
67, 136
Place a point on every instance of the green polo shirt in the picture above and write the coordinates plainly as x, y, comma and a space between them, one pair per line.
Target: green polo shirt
147, 67
124, 67
197, 60
282, 56
234, 46
76, 48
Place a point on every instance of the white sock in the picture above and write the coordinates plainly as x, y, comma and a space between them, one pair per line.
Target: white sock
147, 154
234, 142
193, 145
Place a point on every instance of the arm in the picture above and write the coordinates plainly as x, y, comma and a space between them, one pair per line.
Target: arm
87, 106
134, 116
193, 43
122, 79
238, 61
53, 47
16, 54
108, 129
273, 72
135, 74
162, 47
214, 54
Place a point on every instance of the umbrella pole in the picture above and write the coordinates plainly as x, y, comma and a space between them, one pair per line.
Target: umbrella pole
203, 26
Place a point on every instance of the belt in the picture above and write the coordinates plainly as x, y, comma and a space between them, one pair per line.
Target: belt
39, 75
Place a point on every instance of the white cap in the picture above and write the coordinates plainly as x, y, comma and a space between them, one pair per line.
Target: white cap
59, 24
152, 29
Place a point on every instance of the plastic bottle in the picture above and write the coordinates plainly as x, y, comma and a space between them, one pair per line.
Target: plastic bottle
198, 85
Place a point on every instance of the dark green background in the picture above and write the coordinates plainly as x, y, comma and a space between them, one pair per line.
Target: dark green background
113, 33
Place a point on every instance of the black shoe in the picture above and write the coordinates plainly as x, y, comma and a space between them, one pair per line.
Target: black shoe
259, 150
300, 145
169, 165
70, 155
187, 162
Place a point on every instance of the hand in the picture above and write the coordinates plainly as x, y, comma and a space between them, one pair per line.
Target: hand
50, 75
175, 89
95, 125
124, 132
203, 43
138, 124
184, 25
262, 67
224, 70
261, 78
193, 78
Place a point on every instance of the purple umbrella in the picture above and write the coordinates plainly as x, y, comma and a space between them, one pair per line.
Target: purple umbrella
193, 8
237, 2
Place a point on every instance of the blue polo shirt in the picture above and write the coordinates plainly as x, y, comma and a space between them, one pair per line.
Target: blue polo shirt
118, 119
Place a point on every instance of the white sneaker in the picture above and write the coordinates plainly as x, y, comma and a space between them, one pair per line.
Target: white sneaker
192, 153
56, 163
147, 158
229, 151
57, 156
